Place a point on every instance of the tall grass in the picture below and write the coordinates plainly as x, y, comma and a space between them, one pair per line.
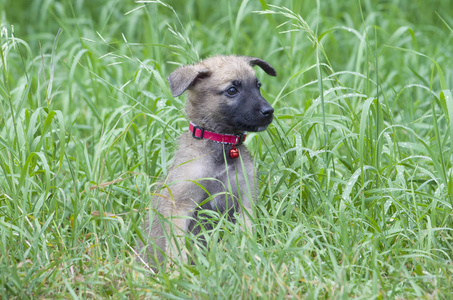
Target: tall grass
356, 177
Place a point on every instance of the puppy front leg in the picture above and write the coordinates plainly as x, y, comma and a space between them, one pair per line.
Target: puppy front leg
179, 225
180, 210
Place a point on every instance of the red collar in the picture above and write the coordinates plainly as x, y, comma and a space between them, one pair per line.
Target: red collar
200, 133
233, 139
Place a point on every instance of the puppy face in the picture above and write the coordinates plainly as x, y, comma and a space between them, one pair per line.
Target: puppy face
224, 94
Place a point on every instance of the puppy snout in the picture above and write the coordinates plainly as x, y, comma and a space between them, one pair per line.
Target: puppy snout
267, 110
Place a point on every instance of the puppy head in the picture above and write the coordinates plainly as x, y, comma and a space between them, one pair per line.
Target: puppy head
224, 93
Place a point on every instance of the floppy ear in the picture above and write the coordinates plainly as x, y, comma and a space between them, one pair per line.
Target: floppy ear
183, 77
254, 61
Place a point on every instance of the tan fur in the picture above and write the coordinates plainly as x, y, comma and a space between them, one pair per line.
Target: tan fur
204, 162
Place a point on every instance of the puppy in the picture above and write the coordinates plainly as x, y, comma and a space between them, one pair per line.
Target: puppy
212, 169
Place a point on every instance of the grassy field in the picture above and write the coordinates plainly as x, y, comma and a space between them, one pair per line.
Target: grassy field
356, 174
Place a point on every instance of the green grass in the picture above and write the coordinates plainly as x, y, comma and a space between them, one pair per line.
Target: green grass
356, 175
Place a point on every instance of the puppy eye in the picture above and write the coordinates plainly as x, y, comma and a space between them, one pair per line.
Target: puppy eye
258, 84
232, 91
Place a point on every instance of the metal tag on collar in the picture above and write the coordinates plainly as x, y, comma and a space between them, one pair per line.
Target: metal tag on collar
239, 139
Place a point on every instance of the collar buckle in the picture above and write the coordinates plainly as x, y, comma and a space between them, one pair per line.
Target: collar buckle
195, 127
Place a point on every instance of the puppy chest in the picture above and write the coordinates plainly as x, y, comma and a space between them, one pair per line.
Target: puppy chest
227, 186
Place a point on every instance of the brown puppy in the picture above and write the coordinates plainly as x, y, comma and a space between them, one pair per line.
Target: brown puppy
212, 169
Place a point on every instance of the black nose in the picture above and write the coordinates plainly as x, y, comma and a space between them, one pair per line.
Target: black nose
267, 111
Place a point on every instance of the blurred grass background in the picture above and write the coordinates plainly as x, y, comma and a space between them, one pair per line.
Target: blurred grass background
356, 171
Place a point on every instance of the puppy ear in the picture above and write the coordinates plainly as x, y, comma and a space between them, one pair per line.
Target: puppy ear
254, 61
183, 77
